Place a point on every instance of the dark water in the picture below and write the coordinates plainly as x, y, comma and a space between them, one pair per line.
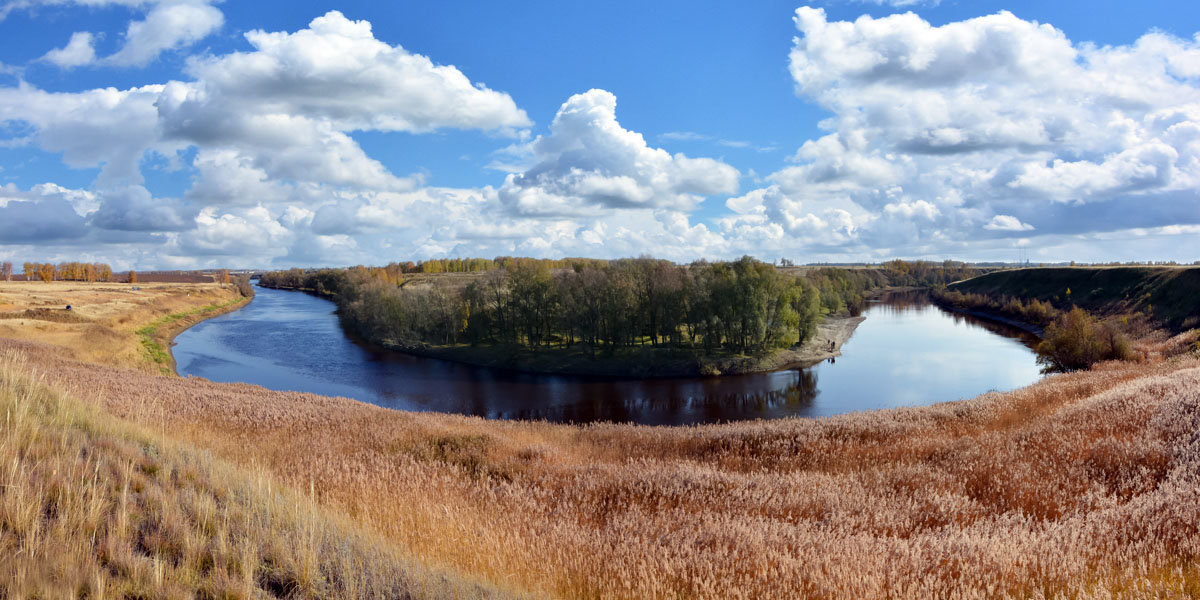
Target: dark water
907, 352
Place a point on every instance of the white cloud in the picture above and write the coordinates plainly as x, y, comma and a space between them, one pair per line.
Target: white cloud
105, 127
77, 52
937, 131
1007, 223
336, 72
167, 25
170, 24
589, 163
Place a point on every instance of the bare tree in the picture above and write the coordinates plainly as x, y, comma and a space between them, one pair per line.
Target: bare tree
6, 270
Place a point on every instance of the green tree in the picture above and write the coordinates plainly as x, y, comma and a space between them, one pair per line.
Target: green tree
1076, 341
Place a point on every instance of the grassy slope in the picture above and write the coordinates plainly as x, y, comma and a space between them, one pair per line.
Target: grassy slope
1079, 486
1169, 295
91, 506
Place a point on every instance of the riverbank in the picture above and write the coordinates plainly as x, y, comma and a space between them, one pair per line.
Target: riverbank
158, 337
1029, 328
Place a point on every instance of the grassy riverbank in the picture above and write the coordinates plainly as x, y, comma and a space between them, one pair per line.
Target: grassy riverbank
1166, 295
156, 336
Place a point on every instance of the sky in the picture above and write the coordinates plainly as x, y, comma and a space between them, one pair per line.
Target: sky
166, 134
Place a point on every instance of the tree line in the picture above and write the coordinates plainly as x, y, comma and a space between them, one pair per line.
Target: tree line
743, 306
65, 271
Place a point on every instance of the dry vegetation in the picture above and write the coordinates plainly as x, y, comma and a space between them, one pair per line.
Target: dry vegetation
95, 507
1083, 485
105, 318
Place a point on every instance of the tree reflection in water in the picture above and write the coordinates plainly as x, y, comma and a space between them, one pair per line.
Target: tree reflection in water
795, 398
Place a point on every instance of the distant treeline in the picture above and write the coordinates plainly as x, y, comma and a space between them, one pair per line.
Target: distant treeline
66, 271
744, 306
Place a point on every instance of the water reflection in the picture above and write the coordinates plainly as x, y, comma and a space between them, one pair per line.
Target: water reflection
906, 352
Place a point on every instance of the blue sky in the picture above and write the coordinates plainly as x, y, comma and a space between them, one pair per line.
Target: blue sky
1060, 130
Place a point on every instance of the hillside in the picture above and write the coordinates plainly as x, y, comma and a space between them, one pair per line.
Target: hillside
1079, 486
96, 507
1169, 295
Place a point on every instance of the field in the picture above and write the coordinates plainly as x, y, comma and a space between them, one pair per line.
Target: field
1082, 485
108, 322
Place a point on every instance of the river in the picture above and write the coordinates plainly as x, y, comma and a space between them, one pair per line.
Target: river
907, 352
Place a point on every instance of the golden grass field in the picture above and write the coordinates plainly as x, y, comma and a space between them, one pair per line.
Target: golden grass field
1082, 485
103, 323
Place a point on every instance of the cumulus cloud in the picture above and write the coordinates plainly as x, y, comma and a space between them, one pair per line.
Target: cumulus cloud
77, 52
44, 213
167, 25
938, 131
104, 127
335, 71
588, 163
1007, 223
270, 125
133, 208
170, 24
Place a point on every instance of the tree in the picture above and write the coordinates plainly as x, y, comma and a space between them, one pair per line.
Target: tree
224, 276
46, 272
1076, 340
808, 307
133, 278
6, 270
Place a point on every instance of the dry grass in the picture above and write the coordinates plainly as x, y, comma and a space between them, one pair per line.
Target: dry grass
98, 508
102, 326
1083, 485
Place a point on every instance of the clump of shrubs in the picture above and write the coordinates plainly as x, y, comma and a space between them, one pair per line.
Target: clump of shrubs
245, 288
1076, 340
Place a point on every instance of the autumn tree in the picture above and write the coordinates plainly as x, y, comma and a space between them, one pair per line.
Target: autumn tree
1077, 340
133, 278
225, 276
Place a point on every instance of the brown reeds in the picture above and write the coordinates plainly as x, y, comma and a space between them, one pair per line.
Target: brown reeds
1085, 484
93, 507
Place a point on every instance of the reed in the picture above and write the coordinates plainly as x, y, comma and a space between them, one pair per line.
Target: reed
94, 507
1081, 485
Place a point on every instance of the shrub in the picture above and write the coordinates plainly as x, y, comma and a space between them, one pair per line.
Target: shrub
245, 288
1076, 340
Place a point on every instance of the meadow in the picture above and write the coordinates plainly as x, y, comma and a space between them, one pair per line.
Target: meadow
121, 482
1082, 485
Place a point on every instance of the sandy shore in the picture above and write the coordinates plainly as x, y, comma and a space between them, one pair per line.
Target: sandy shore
826, 344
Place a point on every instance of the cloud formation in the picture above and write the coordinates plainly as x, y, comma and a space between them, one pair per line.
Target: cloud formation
991, 125
949, 140
167, 25
588, 163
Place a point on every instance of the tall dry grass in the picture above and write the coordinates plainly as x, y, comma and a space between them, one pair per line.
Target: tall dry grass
1083, 485
93, 507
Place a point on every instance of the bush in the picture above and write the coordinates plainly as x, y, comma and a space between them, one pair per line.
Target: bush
1076, 340
245, 288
